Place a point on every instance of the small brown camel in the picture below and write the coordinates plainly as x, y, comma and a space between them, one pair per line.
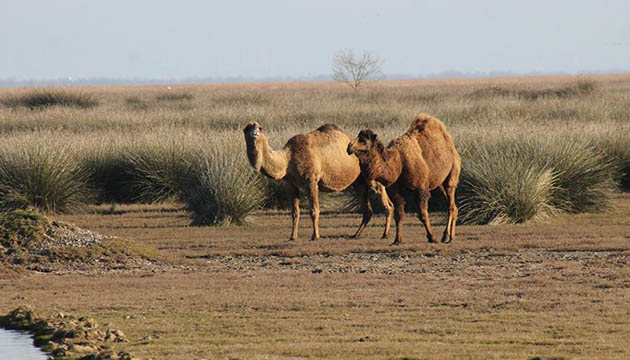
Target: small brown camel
422, 159
313, 162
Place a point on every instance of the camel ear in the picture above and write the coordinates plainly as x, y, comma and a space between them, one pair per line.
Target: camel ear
372, 136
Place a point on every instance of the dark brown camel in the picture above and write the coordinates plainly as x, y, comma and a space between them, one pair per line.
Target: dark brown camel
422, 159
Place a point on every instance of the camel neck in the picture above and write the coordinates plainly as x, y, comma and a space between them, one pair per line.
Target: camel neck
266, 160
384, 167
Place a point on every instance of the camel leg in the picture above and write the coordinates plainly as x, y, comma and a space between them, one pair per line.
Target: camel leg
295, 212
389, 207
449, 232
399, 214
314, 200
363, 191
423, 213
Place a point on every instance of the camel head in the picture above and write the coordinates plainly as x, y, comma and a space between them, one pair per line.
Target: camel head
252, 131
363, 142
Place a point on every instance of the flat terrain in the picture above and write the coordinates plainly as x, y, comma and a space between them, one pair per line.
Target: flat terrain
559, 289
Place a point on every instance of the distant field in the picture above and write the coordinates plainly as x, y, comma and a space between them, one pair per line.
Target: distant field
554, 286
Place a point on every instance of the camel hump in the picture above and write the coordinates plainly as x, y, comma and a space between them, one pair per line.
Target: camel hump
423, 123
328, 128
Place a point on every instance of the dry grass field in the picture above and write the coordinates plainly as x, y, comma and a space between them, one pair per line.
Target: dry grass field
559, 289
554, 287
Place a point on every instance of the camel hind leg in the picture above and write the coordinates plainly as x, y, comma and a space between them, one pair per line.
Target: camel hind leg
295, 212
363, 192
449, 231
423, 213
313, 195
449, 187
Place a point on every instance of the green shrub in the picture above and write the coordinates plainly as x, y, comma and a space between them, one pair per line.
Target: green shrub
617, 148
109, 171
227, 190
499, 186
279, 193
47, 178
585, 176
52, 97
159, 172
517, 180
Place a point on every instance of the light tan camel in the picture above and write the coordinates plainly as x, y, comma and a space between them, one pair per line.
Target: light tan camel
422, 159
313, 162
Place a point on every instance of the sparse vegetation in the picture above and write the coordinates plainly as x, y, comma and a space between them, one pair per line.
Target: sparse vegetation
44, 177
174, 96
51, 97
502, 185
581, 87
518, 180
226, 190
159, 171
119, 154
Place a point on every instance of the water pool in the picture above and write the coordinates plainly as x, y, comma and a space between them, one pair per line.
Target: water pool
18, 345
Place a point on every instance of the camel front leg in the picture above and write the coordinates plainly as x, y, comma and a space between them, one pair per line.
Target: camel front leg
313, 195
295, 212
363, 192
423, 213
389, 208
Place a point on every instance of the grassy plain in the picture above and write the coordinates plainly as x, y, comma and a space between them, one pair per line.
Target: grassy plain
500, 292
557, 288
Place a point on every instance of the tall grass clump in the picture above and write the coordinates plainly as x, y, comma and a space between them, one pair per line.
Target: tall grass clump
504, 187
227, 189
46, 178
52, 97
581, 87
158, 172
174, 96
136, 103
517, 180
585, 176
617, 148
109, 171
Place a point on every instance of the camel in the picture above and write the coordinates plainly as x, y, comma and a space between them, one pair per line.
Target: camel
422, 159
313, 162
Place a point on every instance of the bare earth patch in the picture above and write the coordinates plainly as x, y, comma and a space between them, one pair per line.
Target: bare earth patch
556, 290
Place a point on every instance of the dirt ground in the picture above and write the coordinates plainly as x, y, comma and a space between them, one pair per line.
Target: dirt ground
559, 289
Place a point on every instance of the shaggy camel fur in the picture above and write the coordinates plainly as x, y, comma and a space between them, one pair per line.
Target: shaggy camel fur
313, 162
422, 159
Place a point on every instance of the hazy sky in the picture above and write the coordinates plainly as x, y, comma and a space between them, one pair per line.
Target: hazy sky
156, 39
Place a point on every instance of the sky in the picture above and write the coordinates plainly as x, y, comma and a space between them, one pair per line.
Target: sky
157, 39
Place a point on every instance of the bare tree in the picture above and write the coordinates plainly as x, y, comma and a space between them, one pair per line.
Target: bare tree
357, 70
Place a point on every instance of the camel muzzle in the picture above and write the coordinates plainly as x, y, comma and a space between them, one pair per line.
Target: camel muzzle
349, 149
